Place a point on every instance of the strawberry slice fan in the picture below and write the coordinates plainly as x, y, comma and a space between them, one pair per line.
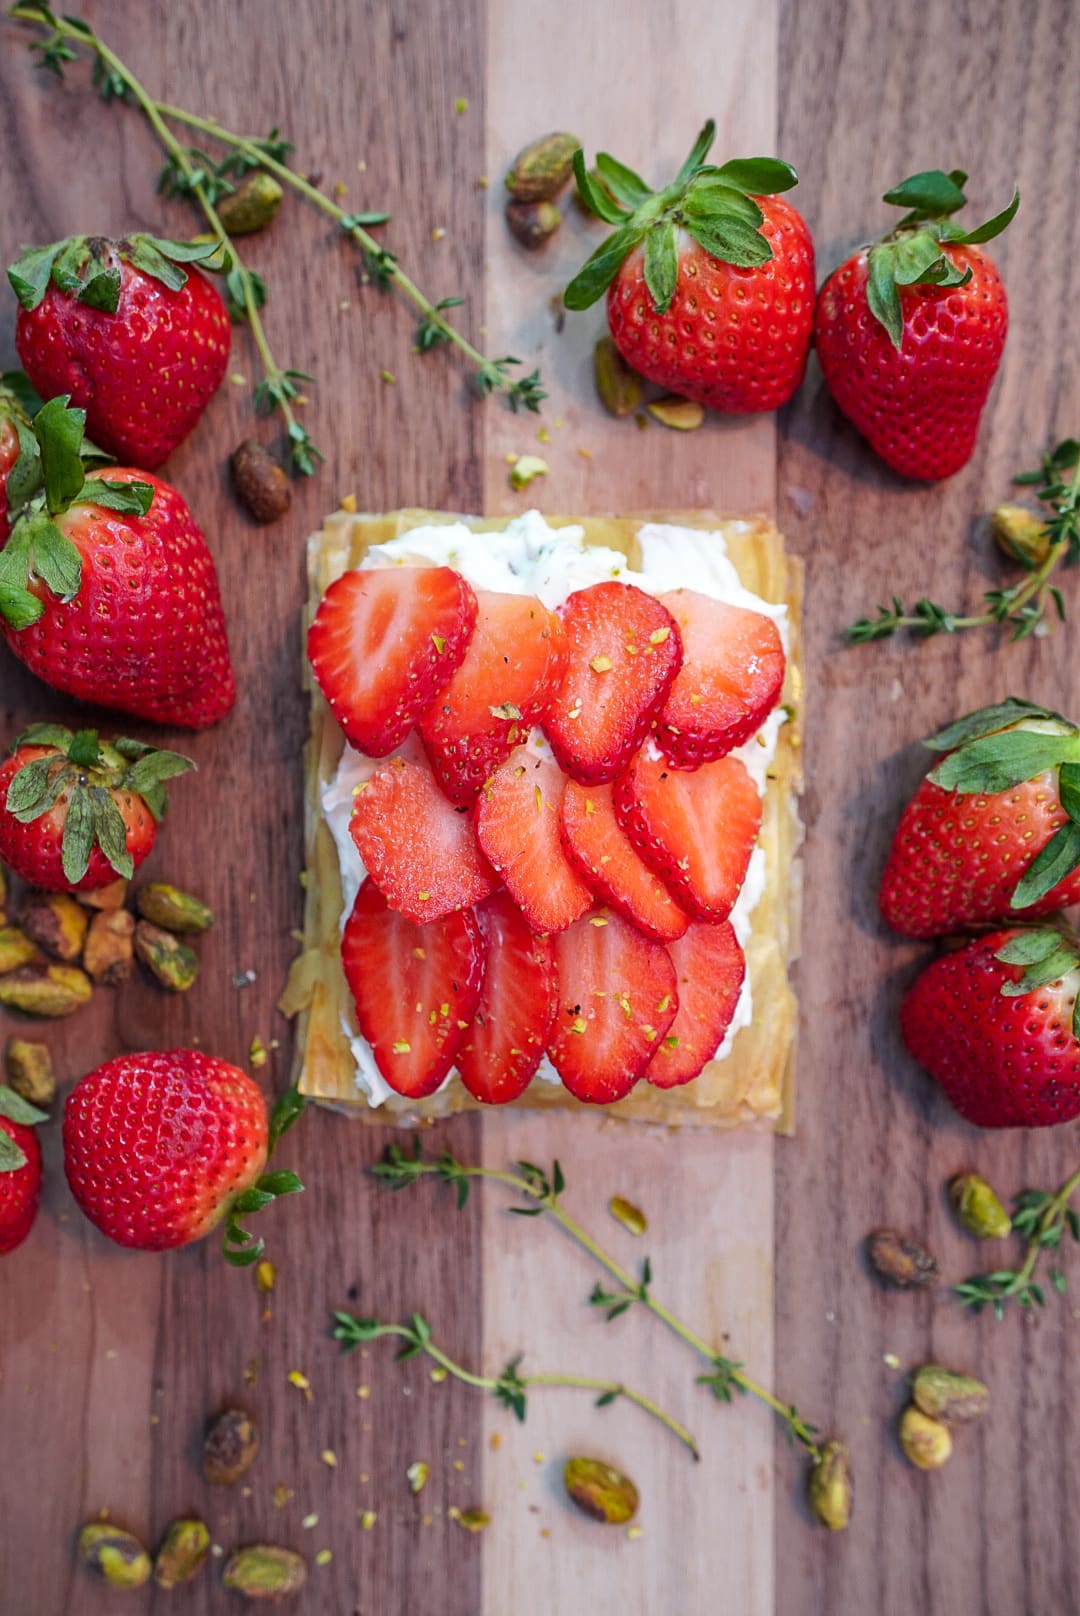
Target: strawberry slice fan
519, 904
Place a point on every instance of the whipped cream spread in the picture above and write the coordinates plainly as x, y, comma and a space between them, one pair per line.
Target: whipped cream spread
528, 557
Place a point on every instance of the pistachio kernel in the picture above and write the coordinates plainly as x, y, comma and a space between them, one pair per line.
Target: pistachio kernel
681, 414
630, 1216
533, 223
1020, 534
183, 1553
229, 1447
117, 1556
265, 1571
57, 923
259, 482
169, 961
525, 469
252, 206
901, 1261
978, 1208
619, 388
942, 1394
30, 1071
16, 949
109, 951
49, 991
925, 1441
173, 910
543, 168
601, 1491
829, 1486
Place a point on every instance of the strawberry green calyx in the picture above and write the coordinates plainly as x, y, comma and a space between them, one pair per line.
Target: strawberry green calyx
1046, 955
48, 478
89, 771
16, 1109
713, 204
1000, 747
87, 267
240, 1247
913, 253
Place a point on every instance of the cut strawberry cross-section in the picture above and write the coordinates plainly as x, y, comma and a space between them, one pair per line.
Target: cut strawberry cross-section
509, 1033
607, 860
709, 971
419, 850
416, 988
623, 651
512, 667
696, 830
384, 643
729, 682
518, 818
617, 1000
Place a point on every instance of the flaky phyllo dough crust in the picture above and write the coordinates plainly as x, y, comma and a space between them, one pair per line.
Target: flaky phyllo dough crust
754, 1083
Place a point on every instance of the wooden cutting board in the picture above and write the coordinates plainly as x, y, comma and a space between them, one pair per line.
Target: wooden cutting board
110, 1362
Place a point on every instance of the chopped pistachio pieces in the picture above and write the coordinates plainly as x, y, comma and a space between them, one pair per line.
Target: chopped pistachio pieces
418, 1473
630, 1216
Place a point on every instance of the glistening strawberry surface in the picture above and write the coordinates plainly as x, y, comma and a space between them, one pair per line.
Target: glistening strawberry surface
76, 812
729, 682
710, 281
709, 972
622, 653
990, 834
419, 850
910, 332
20, 1175
157, 1146
507, 1036
137, 340
416, 988
511, 668
384, 643
695, 829
998, 1035
617, 1000
518, 823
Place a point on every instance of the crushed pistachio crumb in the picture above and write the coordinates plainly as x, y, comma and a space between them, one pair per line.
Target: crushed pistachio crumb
323, 1557
438, 1375
438, 233
388, 377
265, 1276
601, 664
368, 1518
309, 1521
417, 1474
363, 1392
329, 1457
461, 104
257, 1053
298, 1379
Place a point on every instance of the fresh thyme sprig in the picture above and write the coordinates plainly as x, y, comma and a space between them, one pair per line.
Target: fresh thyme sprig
1022, 607
1042, 1218
510, 1387
241, 1248
193, 177
400, 1168
189, 170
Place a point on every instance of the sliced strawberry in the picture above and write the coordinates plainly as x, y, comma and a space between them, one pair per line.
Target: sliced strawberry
623, 651
617, 999
518, 815
384, 643
416, 988
503, 1046
696, 830
709, 970
419, 850
511, 669
729, 682
607, 860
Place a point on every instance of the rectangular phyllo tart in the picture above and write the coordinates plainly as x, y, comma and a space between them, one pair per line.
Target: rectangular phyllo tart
551, 817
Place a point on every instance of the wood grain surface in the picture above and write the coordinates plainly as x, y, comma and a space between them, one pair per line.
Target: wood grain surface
109, 1362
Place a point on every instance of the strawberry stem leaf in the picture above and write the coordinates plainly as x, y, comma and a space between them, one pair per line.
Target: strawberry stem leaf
16, 1109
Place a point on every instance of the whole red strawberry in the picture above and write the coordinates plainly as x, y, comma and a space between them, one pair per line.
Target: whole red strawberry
993, 832
107, 588
76, 812
910, 331
160, 1147
996, 1025
710, 282
13, 420
134, 334
20, 1168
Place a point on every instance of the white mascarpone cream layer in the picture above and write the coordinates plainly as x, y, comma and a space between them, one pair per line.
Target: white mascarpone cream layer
530, 558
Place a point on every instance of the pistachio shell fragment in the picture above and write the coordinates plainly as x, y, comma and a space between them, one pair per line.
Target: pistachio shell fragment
619, 388
56, 923
978, 1208
30, 1071
682, 414
46, 990
829, 1487
172, 909
117, 1556
944, 1395
264, 1571
183, 1553
925, 1441
543, 168
599, 1490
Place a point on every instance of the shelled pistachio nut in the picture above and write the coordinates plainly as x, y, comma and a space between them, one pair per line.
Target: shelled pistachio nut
173, 910
16, 949
30, 1071
182, 1554
169, 961
533, 223
117, 1556
681, 414
230, 1447
926, 1442
829, 1487
109, 951
978, 1208
543, 168
112, 896
1020, 534
46, 990
599, 1490
252, 206
619, 388
264, 1571
56, 923
944, 1395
